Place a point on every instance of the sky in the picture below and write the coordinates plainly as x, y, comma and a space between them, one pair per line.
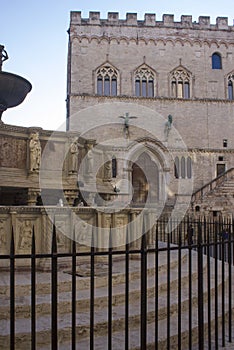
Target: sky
35, 37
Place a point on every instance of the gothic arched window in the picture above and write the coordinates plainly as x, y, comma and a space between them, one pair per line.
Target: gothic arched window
216, 61
107, 81
144, 79
180, 82
183, 167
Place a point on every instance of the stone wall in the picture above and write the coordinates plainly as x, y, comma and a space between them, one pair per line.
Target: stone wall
80, 223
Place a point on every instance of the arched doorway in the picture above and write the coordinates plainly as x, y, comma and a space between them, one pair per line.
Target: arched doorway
145, 182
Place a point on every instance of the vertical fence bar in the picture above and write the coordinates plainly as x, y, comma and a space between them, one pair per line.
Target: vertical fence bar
110, 291
143, 290
179, 290
200, 289
73, 292
208, 286
190, 290
216, 287
127, 289
33, 292
223, 243
54, 295
12, 292
156, 289
168, 291
230, 242
92, 257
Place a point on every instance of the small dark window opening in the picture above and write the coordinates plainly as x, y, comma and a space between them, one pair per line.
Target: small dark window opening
197, 208
114, 167
220, 158
216, 61
225, 142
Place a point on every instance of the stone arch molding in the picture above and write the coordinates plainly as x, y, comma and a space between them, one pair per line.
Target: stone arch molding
151, 40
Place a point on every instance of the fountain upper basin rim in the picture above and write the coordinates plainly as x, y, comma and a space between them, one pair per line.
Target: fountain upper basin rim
13, 89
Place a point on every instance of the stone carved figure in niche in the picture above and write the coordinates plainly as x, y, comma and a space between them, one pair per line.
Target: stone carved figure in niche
73, 157
25, 235
2, 235
108, 170
35, 152
89, 160
83, 233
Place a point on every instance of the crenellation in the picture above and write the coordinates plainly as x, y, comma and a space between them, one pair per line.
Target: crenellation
204, 21
113, 17
168, 20
131, 19
186, 21
150, 19
94, 17
222, 22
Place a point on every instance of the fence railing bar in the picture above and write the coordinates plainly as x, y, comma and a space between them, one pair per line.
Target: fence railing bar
54, 292
216, 287
92, 288
110, 290
156, 289
230, 283
168, 291
12, 291
127, 290
223, 289
179, 289
73, 330
208, 287
33, 292
190, 293
200, 290
143, 288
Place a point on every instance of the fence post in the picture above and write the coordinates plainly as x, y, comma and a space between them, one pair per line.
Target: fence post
200, 289
12, 291
143, 288
54, 295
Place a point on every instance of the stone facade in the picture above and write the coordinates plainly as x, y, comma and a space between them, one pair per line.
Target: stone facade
184, 69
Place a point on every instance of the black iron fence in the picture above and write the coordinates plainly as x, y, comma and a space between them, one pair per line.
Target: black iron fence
173, 291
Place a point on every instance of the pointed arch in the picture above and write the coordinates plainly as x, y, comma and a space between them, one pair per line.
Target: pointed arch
180, 82
107, 80
145, 81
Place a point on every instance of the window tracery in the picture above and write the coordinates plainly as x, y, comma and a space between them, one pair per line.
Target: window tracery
180, 82
107, 81
144, 82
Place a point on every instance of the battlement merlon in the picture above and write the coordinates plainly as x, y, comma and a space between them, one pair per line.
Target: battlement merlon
150, 21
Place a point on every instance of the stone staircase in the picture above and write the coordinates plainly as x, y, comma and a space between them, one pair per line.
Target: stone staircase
217, 195
43, 304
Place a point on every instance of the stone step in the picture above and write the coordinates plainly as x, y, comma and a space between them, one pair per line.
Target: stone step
101, 321
118, 337
22, 326
43, 279
43, 301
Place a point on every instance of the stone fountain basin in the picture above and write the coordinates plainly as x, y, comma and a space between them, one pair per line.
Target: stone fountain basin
13, 89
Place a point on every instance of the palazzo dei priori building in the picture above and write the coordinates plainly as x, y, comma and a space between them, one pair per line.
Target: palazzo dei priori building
150, 119
184, 70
